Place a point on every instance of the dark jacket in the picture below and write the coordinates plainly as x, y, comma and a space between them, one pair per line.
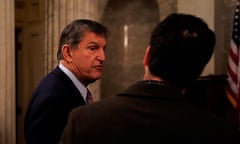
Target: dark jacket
50, 104
146, 114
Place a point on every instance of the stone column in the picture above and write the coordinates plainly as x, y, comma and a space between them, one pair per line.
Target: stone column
7, 74
60, 12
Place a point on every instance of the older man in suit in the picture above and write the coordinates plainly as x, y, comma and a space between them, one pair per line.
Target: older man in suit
81, 59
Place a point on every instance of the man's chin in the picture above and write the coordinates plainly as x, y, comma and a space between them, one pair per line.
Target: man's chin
94, 79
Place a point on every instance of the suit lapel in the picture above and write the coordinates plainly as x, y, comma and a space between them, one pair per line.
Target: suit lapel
73, 91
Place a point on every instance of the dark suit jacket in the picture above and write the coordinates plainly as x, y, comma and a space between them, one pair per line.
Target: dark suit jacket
49, 107
146, 114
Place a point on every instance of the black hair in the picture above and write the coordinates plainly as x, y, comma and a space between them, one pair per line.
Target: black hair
180, 47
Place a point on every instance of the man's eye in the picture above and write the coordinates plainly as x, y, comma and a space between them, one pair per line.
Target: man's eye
93, 48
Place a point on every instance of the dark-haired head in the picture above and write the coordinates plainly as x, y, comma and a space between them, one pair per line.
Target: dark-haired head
180, 47
74, 32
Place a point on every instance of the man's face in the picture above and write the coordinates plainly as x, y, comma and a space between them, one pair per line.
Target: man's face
88, 59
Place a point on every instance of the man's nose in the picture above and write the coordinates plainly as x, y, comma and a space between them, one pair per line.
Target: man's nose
102, 56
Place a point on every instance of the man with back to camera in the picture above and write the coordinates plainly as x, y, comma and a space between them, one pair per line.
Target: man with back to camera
81, 57
154, 110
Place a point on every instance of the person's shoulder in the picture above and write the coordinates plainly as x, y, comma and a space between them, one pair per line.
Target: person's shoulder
56, 79
51, 87
54, 75
101, 106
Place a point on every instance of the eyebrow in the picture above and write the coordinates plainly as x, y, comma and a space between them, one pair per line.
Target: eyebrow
93, 42
96, 43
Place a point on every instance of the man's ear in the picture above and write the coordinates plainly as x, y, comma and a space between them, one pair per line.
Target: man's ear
66, 52
146, 56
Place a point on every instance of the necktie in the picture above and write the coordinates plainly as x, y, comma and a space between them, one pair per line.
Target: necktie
89, 97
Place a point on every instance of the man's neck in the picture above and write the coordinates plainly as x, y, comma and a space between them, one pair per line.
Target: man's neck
149, 76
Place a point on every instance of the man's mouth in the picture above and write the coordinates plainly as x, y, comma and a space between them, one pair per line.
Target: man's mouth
98, 67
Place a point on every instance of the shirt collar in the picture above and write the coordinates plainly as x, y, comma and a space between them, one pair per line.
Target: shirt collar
162, 83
